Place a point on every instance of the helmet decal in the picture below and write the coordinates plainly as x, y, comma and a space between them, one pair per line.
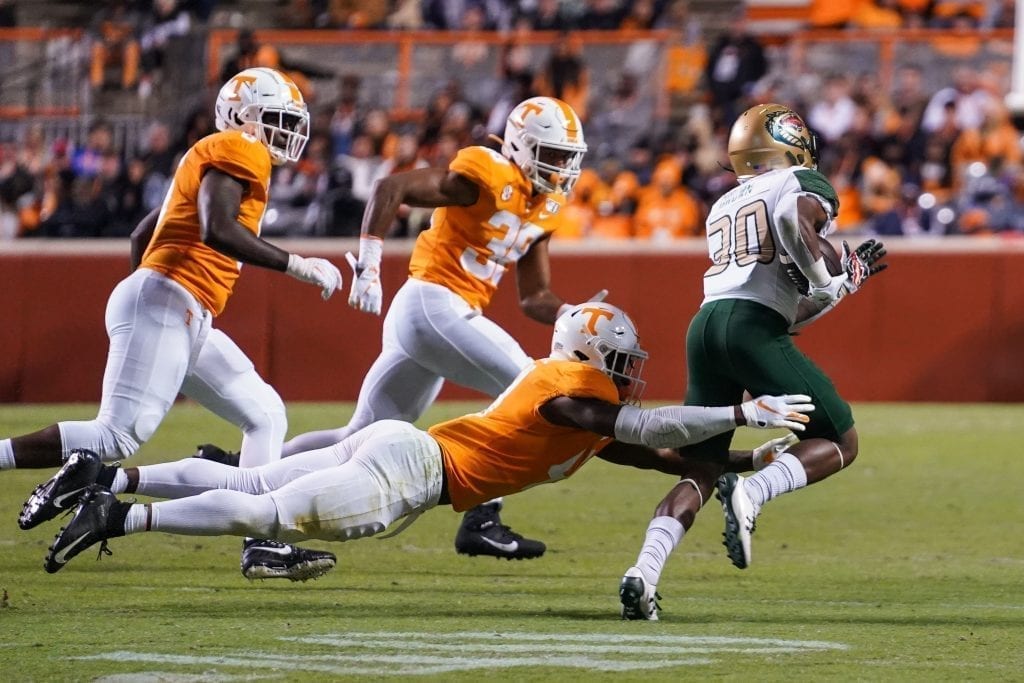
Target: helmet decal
267, 104
602, 336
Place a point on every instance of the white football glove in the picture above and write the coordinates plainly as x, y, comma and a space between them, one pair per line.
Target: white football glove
315, 271
600, 296
366, 293
786, 411
832, 291
766, 453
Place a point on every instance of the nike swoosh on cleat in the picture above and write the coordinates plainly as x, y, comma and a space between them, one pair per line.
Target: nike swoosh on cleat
59, 500
287, 550
506, 547
59, 556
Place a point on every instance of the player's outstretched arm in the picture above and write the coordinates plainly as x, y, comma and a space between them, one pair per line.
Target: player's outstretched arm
676, 426
426, 187
220, 198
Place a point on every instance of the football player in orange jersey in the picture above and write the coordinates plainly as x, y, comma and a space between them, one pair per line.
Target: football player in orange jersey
557, 414
186, 258
491, 210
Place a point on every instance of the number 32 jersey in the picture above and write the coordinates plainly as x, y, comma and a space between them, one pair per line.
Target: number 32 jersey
468, 248
747, 258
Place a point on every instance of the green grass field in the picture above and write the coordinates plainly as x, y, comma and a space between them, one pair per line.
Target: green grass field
909, 566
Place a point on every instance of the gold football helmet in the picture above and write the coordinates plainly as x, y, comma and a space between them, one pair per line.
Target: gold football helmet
770, 136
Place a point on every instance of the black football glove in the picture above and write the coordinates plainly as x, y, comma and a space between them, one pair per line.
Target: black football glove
863, 262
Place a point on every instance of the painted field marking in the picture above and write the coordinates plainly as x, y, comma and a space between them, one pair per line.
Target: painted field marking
417, 653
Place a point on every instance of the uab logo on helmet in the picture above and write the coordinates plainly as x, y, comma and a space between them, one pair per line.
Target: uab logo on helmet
789, 129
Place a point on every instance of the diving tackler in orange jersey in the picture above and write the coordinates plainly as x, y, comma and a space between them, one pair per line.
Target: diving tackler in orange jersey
491, 210
556, 415
189, 254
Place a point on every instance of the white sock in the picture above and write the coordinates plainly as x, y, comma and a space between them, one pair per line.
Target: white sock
120, 483
6, 455
782, 476
663, 535
135, 521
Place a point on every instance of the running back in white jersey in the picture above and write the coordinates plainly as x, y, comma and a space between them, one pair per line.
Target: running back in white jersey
747, 257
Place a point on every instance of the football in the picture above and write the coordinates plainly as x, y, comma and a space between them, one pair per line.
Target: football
833, 261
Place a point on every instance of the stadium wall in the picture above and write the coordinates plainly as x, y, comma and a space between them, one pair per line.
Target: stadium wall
944, 323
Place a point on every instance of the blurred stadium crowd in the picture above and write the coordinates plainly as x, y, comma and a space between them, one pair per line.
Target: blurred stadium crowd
926, 152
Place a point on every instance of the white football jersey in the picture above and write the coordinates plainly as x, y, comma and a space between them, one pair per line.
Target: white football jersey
748, 260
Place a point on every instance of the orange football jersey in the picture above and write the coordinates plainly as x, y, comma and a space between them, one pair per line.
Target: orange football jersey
176, 250
468, 248
509, 446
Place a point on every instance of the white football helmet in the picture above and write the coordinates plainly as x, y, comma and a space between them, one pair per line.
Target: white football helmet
267, 104
604, 337
544, 138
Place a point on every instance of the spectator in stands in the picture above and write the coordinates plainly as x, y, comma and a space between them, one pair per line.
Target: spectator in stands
517, 89
665, 209
966, 98
249, 52
166, 21
549, 15
115, 44
565, 75
87, 160
603, 15
406, 16
614, 201
833, 114
354, 14
198, 125
622, 118
347, 114
995, 144
450, 15
80, 210
735, 63
297, 190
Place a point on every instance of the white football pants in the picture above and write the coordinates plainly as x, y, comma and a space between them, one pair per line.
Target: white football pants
430, 334
352, 489
162, 342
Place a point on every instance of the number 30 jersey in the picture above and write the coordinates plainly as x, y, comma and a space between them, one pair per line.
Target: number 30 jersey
468, 248
748, 260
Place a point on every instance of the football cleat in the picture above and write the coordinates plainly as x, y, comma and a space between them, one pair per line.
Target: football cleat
740, 518
63, 489
208, 451
262, 559
87, 527
482, 533
639, 599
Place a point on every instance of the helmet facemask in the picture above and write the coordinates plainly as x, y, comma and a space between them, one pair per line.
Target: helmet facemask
284, 130
544, 138
625, 367
552, 166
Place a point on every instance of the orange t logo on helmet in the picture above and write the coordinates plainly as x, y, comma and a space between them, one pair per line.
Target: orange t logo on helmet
595, 315
529, 108
239, 81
